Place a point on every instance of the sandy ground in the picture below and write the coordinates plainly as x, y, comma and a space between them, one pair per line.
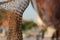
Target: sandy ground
31, 38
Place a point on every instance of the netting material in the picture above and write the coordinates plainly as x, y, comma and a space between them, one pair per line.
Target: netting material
16, 9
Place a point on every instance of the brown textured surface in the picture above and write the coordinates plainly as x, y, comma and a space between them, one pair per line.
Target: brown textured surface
49, 11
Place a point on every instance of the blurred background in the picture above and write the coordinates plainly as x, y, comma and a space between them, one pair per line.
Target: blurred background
31, 24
